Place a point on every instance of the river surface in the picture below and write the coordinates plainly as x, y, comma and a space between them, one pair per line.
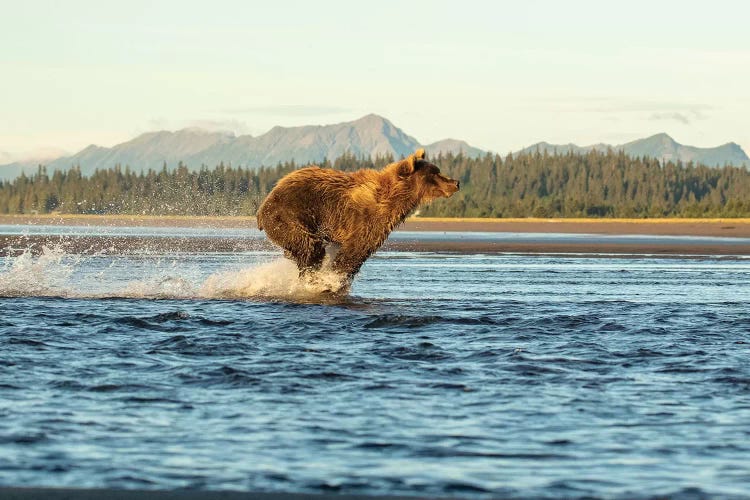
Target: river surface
439, 374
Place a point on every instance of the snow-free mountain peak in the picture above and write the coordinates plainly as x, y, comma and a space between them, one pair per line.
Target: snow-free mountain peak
660, 146
368, 136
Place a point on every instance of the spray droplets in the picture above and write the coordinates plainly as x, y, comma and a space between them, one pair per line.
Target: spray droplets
277, 279
55, 273
46, 274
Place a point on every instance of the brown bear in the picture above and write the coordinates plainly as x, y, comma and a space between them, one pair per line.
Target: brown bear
313, 207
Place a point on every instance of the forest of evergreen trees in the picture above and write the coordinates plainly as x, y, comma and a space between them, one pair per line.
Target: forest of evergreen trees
528, 185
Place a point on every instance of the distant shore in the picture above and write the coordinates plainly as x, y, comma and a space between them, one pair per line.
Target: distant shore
588, 237
736, 228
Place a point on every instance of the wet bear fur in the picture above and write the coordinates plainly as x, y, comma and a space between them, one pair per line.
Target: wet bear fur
313, 207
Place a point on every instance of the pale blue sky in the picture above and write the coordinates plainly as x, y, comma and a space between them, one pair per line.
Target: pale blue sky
501, 75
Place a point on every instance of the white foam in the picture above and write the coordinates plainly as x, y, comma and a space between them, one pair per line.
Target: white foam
276, 279
53, 272
42, 275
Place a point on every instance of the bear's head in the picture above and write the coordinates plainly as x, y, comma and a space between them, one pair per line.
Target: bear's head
423, 177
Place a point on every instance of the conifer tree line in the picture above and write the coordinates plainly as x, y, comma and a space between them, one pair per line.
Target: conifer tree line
596, 184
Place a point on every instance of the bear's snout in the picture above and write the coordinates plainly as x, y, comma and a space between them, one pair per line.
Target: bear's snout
453, 186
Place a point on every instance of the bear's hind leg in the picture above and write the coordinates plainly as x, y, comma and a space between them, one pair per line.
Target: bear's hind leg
298, 243
309, 256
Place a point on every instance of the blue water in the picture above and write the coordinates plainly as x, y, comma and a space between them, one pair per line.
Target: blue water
440, 374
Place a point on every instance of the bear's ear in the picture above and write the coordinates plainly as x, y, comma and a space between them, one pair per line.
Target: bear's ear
406, 167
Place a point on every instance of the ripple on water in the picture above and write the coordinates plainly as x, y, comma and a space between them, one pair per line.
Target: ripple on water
526, 377
416, 321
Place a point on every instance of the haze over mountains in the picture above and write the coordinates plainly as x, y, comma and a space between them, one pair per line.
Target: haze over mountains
370, 135
32, 157
660, 146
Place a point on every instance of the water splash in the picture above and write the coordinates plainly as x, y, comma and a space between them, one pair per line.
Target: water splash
53, 272
46, 274
169, 287
276, 279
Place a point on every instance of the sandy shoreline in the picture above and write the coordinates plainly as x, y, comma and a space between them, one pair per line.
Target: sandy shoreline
12, 245
734, 234
733, 228
737, 228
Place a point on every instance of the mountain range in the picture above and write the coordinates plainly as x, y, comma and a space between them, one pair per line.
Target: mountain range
660, 146
370, 135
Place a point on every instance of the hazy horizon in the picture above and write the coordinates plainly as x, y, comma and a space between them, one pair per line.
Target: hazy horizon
501, 77
51, 153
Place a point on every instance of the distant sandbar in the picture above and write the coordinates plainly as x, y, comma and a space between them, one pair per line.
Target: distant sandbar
736, 228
